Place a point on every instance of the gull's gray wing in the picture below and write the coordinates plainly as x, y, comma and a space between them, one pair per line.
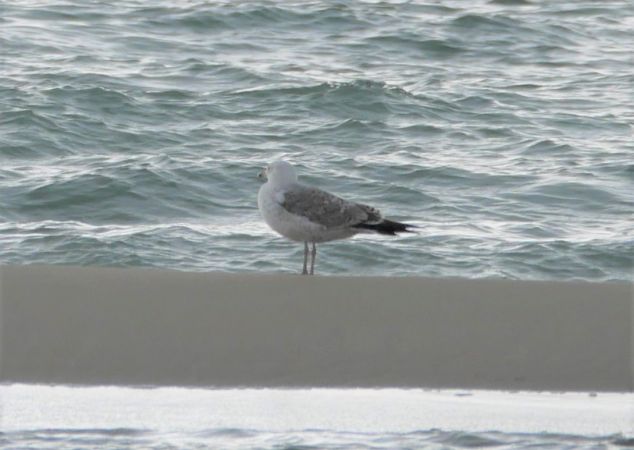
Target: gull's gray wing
326, 209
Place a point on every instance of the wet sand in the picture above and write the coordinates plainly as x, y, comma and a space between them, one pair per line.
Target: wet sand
156, 327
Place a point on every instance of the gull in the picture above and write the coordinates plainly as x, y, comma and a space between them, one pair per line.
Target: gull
306, 214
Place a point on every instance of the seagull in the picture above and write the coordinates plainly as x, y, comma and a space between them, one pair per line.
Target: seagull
307, 214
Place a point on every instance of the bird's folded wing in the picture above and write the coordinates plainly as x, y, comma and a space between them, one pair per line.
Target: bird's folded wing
327, 209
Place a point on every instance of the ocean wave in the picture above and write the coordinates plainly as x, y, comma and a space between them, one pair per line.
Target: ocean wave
439, 48
496, 22
573, 195
360, 88
97, 95
211, 18
27, 118
547, 147
511, 2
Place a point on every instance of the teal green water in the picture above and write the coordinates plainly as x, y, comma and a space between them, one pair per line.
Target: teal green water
131, 133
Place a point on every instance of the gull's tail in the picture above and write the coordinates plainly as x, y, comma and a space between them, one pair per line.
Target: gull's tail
388, 227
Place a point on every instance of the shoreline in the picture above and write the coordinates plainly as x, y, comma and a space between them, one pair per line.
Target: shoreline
155, 327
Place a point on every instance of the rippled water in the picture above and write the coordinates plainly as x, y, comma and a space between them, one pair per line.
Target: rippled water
237, 439
131, 132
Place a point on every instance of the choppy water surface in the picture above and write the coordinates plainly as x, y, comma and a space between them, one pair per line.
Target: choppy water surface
131, 132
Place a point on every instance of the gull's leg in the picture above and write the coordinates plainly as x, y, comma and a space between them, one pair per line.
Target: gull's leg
304, 271
312, 259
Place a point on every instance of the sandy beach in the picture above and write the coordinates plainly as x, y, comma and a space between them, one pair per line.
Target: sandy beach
156, 327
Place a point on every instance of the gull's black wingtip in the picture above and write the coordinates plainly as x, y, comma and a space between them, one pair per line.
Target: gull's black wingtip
388, 227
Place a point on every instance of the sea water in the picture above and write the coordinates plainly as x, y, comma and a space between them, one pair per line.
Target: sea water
131, 133
64, 417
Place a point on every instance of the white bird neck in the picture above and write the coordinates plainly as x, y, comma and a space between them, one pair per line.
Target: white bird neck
283, 180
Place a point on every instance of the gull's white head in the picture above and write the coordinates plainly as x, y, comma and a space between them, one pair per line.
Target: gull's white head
279, 173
